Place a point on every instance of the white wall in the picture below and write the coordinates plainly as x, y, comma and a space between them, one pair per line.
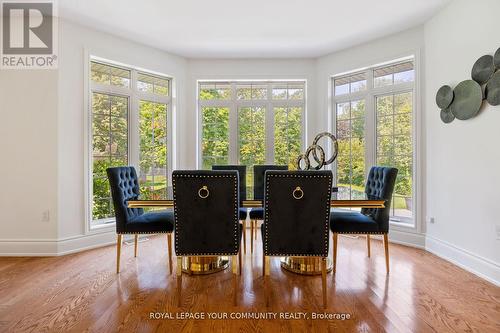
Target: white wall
28, 150
406, 43
75, 42
463, 158
245, 69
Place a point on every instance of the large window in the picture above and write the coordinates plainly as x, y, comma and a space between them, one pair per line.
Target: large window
374, 123
129, 113
251, 123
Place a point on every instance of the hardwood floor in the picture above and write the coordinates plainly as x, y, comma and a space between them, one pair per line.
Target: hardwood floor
82, 293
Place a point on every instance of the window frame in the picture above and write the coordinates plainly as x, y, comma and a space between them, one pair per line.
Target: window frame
134, 96
370, 95
234, 104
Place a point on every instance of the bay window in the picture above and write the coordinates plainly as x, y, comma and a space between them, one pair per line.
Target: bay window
128, 125
374, 122
250, 123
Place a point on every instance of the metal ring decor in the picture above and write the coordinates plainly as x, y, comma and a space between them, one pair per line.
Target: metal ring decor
298, 193
321, 161
318, 153
203, 192
335, 146
300, 158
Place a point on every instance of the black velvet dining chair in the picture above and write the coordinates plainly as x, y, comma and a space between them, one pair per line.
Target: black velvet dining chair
370, 221
206, 209
125, 187
257, 214
296, 218
242, 174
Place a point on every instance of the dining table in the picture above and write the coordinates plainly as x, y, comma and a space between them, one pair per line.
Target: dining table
299, 265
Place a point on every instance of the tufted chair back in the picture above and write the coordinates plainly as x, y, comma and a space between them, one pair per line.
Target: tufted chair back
380, 186
297, 213
258, 178
124, 186
206, 208
242, 174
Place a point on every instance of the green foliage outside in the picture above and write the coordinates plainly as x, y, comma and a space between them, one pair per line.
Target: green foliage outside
251, 130
394, 145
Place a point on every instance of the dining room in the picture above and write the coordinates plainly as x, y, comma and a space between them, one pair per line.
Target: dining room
250, 166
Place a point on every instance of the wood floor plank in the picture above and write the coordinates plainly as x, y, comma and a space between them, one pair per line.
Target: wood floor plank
82, 293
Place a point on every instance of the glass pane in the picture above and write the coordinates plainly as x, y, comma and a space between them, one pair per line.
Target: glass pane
395, 147
357, 82
295, 93
404, 72
153, 150
381, 81
385, 105
109, 146
351, 158
280, 93
341, 86
394, 74
152, 84
215, 136
99, 73
111, 75
251, 138
343, 111
251, 91
219, 91
287, 136
100, 104
343, 129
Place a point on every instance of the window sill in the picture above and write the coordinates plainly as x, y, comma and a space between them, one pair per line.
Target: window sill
101, 227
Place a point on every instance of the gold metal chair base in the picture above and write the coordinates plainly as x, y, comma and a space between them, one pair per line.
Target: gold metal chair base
305, 265
204, 265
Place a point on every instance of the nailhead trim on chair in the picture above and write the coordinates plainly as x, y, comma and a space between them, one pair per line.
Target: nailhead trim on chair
236, 215
327, 219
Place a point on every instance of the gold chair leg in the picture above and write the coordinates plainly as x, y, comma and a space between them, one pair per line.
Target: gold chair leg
386, 246
135, 244
267, 282
179, 280
251, 235
244, 230
169, 242
239, 262
368, 244
335, 241
323, 280
118, 252
235, 279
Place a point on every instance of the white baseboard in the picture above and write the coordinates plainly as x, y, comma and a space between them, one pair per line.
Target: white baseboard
482, 267
54, 247
407, 238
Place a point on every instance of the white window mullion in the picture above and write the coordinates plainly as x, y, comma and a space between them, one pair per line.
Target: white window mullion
233, 127
134, 139
269, 126
370, 125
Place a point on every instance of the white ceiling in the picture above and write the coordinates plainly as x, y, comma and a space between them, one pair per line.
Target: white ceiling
250, 28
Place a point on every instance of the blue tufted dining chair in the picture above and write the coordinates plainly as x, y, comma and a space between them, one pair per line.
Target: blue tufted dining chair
370, 221
257, 214
242, 174
124, 187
